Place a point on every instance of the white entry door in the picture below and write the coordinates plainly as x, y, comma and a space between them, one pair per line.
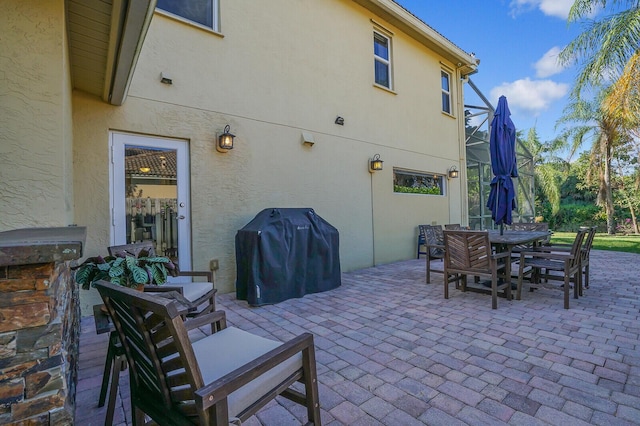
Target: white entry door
150, 194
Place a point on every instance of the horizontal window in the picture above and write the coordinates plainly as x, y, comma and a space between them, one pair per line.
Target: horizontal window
408, 182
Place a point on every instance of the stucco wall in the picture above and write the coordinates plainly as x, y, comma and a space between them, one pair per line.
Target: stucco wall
35, 116
282, 67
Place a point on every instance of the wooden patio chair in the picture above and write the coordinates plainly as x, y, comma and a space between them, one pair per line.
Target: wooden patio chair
470, 253
422, 241
434, 243
222, 378
585, 252
453, 227
545, 261
200, 295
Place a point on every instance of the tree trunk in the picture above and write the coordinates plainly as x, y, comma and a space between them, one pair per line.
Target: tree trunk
608, 192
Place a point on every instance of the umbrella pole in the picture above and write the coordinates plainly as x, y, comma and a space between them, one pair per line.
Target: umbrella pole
502, 229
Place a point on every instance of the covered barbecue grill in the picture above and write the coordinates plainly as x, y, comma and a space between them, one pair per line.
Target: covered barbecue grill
285, 253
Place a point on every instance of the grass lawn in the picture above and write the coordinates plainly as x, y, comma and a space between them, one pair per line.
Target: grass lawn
626, 243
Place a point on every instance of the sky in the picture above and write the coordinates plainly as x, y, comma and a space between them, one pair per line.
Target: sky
517, 42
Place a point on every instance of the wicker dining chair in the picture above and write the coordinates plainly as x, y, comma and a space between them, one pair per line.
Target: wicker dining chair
222, 378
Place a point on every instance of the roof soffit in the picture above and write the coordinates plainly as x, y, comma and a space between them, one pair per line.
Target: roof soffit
401, 18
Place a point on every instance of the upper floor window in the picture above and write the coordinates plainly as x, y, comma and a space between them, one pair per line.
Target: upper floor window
446, 91
382, 59
202, 12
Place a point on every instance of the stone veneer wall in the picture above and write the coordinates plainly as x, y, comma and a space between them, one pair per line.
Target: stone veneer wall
39, 336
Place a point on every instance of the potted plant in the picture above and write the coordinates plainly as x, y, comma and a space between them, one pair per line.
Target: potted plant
125, 270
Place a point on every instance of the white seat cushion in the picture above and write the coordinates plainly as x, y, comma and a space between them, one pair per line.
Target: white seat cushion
228, 349
194, 290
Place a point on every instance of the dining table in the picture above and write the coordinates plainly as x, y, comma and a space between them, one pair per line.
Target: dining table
509, 239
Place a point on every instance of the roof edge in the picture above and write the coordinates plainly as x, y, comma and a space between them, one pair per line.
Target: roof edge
416, 28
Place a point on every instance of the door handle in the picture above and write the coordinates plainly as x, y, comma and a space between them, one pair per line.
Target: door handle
181, 217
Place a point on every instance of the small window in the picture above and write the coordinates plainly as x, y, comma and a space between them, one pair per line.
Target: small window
409, 182
382, 59
202, 12
446, 91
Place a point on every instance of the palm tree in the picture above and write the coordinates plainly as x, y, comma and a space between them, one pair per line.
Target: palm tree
546, 167
606, 46
592, 121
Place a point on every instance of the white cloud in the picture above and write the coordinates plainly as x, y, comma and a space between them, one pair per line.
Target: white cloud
530, 97
557, 8
548, 65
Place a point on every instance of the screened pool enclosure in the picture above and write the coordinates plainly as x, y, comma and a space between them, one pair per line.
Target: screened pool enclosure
478, 115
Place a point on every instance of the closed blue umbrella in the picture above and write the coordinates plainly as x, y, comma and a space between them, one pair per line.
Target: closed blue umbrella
502, 145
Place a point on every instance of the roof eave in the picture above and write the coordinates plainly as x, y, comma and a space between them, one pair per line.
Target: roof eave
130, 23
398, 16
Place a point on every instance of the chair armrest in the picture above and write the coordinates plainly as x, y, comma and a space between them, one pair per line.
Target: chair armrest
162, 288
218, 317
546, 255
500, 255
441, 246
207, 274
210, 394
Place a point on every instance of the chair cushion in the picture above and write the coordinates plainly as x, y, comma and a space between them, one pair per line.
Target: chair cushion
194, 290
231, 348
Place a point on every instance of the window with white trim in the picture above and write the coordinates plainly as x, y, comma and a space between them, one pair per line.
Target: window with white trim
410, 182
446, 91
201, 12
382, 59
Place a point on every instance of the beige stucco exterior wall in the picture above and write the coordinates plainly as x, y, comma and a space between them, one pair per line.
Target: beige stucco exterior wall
281, 68
35, 116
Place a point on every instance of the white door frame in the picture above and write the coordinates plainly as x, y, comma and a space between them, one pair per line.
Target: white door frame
117, 142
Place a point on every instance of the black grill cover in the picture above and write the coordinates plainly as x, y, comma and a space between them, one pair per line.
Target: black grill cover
286, 253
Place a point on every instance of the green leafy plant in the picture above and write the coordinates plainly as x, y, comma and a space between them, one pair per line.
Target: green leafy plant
125, 270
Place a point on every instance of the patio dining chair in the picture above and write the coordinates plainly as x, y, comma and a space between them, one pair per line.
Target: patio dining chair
222, 378
200, 295
470, 253
434, 246
585, 252
542, 263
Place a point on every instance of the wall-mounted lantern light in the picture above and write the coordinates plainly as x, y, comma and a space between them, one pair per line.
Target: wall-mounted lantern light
339, 121
375, 164
453, 172
225, 140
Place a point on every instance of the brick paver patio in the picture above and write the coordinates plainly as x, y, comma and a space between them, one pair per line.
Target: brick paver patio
392, 351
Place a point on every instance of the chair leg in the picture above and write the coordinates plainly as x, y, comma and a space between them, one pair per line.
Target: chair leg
428, 269
567, 280
119, 364
446, 284
106, 375
311, 385
586, 276
494, 291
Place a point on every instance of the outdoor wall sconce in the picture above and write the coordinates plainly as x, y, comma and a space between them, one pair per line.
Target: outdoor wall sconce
225, 140
339, 121
375, 164
453, 172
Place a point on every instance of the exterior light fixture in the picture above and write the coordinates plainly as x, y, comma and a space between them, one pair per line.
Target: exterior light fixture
453, 172
375, 164
339, 121
165, 78
225, 140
